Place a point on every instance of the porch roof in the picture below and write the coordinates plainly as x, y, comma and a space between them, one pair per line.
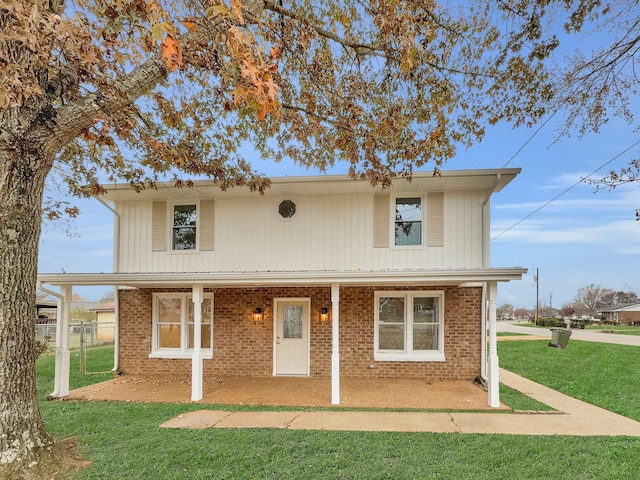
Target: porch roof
240, 279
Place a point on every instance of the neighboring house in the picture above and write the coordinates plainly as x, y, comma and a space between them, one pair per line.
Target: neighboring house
626, 314
321, 276
105, 320
46, 311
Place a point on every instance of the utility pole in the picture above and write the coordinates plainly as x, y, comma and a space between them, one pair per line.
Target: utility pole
537, 279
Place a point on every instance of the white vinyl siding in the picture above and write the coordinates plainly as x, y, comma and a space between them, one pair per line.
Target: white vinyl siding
207, 212
328, 232
381, 223
159, 226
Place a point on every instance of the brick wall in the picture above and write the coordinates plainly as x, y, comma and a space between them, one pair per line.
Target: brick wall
244, 347
628, 318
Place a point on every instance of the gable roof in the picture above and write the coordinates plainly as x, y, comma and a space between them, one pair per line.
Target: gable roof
491, 180
623, 307
105, 307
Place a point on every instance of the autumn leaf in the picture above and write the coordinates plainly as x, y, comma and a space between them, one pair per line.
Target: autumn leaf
190, 24
172, 53
274, 52
216, 10
158, 31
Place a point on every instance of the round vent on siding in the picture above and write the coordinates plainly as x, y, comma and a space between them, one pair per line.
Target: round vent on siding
287, 209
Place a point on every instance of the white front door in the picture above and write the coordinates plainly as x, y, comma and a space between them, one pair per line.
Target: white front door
291, 332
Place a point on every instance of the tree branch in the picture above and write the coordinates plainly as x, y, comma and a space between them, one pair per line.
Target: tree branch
276, 8
71, 120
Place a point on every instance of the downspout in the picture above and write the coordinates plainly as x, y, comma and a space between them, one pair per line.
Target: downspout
116, 265
483, 342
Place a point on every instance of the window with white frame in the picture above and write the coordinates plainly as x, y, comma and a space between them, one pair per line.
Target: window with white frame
408, 221
183, 228
173, 325
409, 326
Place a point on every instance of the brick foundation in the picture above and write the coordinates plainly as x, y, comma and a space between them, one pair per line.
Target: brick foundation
244, 347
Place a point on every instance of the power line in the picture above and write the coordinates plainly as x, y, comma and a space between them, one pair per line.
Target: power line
568, 189
533, 135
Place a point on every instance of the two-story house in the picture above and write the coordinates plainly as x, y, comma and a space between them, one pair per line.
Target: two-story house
321, 276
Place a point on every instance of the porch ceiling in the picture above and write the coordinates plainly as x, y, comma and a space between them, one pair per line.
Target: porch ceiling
239, 279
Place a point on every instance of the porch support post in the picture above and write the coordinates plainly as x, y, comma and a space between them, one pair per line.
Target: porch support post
494, 378
62, 364
196, 360
335, 344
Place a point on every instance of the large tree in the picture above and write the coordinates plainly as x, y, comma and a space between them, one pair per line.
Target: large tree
592, 298
141, 90
600, 81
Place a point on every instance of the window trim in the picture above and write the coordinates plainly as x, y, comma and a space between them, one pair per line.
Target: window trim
276, 209
183, 351
392, 221
408, 355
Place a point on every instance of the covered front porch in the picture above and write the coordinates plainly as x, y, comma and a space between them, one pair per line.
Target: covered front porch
335, 390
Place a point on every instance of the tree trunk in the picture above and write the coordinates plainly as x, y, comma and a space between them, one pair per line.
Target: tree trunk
23, 439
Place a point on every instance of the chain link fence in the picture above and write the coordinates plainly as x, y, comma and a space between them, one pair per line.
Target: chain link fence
82, 336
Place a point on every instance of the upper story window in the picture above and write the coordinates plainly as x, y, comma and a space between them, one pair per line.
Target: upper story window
184, 227
409, 326
408, 221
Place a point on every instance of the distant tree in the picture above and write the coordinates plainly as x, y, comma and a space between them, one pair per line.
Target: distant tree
107, 297
522, 313
79, 314
568, 309
592, 298
504, 310
42, 296
611, 298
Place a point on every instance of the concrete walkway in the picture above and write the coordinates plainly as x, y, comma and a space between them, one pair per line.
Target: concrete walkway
576, 334
572, 417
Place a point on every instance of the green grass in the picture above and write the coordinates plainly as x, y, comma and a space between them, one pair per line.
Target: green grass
519, 401
623, 330
511, 334
124, 441
603, 374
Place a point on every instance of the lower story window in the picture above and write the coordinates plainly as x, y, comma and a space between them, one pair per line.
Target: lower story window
409, 326
174, 326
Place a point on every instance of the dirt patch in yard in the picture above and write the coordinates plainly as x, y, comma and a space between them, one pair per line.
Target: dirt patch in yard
293, 391
513, 338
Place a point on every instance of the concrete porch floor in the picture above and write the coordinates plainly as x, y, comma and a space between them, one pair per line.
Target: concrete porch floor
295, 391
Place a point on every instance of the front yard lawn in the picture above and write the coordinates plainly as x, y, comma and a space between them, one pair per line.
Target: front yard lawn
124, 441
602, 374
